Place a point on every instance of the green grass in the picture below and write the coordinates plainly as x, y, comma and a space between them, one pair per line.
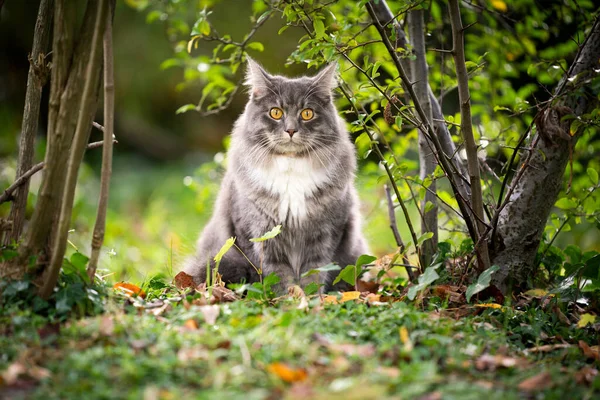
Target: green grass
347, 351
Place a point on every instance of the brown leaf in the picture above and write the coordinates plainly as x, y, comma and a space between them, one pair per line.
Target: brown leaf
360, 350
210, 313
586, 375
548, 348
223, 295
540, 381
431, 396
488, 362
589, 352
183, 281
192, 353
191, 324
286, 373
107, 326
367, 286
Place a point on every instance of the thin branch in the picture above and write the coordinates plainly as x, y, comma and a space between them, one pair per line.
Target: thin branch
458, 52
7, 194
394, 228
107, 151
76, 154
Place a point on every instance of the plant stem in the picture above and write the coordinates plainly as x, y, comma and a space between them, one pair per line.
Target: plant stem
466, 129
107, 150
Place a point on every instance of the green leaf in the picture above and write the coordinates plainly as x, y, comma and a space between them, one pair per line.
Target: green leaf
325, 268
424, 237
269, 235
593, 175
348, 274
428, 277
224, 249
482, 282
264, 16
565, 203
428, 207
311, 288
185, 108
79, 260
270, 280
283, 29
258, 46
319, 28
364, 260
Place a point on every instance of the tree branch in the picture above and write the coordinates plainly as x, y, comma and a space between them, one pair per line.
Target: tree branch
109, 114
466, 129
394, 228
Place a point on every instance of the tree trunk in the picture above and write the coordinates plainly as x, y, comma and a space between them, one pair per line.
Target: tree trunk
36, 79
521, 222
419, 75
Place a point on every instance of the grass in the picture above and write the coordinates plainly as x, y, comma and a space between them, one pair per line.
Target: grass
172, 345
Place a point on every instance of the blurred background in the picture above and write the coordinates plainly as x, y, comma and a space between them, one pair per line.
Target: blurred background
168, 165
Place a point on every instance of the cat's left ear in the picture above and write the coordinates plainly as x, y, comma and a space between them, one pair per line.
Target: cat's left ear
326, 79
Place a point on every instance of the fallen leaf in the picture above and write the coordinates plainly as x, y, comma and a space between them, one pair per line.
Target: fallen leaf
346, 296
585, 320
488, 305
361, 350
286, 373
536, 293
296, 292
561, 316
367, 286
192, 353
210, 313
488, 362
548, 348
12, 373
586, 375
107, 326
537, 382
405, 338
223, 295
390, 372
589, 352
191, 324
183, 281
431, 396
129, 289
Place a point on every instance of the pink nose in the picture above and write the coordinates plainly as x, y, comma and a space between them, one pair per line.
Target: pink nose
291, 132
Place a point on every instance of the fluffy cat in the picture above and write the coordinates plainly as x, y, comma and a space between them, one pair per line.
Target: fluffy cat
291, 162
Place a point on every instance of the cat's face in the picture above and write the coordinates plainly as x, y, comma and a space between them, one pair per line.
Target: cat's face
294, 117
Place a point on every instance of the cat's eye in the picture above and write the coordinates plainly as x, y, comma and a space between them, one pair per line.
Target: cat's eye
276, 113
307, 114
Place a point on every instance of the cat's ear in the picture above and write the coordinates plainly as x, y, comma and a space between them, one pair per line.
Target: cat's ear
256, 78
326, 79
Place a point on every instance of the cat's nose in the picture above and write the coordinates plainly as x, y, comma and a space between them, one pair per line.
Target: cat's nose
291, 132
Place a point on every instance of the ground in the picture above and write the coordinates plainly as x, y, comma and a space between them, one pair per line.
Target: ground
173, 344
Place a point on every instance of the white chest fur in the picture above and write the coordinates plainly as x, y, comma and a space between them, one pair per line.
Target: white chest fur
293, 180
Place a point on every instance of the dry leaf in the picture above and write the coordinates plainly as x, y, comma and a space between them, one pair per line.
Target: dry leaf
589, 352
192, 353
107, 326
346, 296
12, 373
223, 295
488, 305
191, 324
129, 289
586, 375
538, 293
183, 281
361, 350
210, 313
405, 338
540, 381
488, 362
286, 373
390, 372
296, 292
548, 348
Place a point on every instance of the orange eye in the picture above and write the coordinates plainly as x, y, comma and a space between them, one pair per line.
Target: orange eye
276, 113
307, 114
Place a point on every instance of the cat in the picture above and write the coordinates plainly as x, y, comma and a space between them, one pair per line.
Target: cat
291, 162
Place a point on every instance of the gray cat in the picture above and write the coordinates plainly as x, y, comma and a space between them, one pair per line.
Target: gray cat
291, 163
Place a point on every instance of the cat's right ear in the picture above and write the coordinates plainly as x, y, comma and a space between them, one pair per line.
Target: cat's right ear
257, 78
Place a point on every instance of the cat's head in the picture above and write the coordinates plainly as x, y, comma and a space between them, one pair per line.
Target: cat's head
292, 116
